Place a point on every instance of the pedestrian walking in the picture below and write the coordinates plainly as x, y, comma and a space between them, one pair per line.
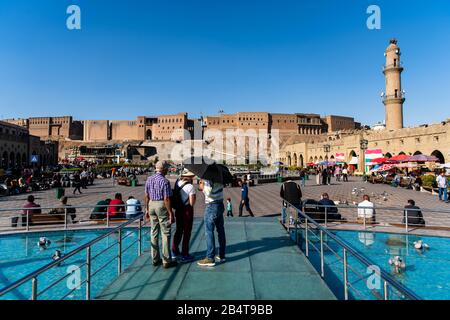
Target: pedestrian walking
442, 184
245, 200
76, 183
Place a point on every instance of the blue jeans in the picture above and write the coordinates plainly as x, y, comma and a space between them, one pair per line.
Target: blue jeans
303, 181
214, 219
443, 192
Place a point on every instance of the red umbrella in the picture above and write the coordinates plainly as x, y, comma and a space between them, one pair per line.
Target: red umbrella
379, 160
385, 167
399, 158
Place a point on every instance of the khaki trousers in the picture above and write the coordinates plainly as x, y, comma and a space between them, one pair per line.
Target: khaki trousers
160, 223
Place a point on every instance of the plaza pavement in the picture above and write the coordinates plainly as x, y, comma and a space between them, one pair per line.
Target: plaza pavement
264, 199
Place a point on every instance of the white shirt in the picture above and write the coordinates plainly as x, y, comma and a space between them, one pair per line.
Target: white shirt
441, 181
186, 191
131, 206
365, 212
344, 171
213, 192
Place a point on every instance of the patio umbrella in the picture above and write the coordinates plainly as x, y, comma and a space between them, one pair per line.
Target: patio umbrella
445, 165
407, 165
422, 158
209, 170
379, 160
385, 167
278, 163
399, 158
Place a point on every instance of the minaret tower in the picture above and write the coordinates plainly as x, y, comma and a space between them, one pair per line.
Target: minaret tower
394, 97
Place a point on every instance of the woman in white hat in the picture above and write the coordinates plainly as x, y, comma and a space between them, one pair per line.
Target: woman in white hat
184, 201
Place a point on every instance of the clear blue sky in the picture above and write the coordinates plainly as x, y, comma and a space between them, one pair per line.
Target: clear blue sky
151, 57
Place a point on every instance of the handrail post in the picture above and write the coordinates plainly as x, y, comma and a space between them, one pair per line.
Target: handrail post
364, 220
28, 221
65, 218
345, 275
326, 216
296, 226
406, 221
34, 288
322, 260
107, 218
119, 253
88, 273
306, 238
140, 238
386, 290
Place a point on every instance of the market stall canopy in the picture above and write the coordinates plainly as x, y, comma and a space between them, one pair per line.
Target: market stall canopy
399, 158
422, 158
407, 165
379, 160
385, 167
445, 165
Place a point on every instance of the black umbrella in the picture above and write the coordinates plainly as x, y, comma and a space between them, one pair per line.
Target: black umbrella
207, 169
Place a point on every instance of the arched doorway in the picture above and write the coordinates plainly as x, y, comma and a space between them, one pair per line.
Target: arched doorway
439, 155
401, 153
295, 159
18, 159
148, 134
351, 155
388, 155
302, 164
289, 161
4, 162
12, 159
417, 153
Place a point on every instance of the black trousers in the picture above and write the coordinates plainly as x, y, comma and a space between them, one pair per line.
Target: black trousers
246, 203
14, 221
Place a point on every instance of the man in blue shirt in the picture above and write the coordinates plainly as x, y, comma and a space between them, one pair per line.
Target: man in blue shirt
245, 201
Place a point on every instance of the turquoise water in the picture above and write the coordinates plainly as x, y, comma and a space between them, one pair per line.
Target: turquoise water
427, 272
20, 255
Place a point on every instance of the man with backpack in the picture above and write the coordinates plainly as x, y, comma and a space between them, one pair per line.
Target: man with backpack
183, 201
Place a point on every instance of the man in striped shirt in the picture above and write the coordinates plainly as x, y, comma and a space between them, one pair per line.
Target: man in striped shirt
159, 211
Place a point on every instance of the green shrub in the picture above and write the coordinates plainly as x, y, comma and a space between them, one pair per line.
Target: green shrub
429, 181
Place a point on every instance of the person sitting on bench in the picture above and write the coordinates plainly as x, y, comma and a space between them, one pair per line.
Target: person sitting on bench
366, 210
413, 213
100, 210
27, 213
331, 209
61, 211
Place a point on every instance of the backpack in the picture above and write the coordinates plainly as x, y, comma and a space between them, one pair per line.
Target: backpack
176, 201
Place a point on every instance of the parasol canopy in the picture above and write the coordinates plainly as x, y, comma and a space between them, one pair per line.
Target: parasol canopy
385, 167
379, 160
422, 158
399, 158
208, 169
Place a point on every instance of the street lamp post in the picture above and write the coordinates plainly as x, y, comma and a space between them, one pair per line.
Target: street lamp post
363, 144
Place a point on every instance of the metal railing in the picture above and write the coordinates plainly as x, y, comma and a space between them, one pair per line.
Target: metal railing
311, 227
400, 95
411, 220
87, 248
22, 219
